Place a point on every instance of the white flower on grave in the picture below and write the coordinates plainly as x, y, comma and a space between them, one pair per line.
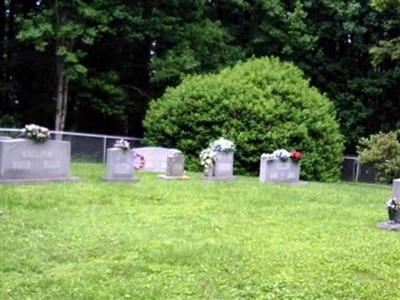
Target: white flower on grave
393, 204
207, 158
223, 145
282, 154
36, 133
122, 144
269, 157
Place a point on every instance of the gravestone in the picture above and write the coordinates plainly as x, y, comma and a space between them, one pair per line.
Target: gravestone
396, 188
223, 167
175, 166
155, 158
395, 194
279, 171
120, 165
24, 161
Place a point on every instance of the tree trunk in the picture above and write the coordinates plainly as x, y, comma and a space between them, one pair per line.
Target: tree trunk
62, 80
61, 97
64, 103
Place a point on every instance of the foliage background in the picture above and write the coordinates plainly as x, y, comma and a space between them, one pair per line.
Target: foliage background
150, 45
262, 105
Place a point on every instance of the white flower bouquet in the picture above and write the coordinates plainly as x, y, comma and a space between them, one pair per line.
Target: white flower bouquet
207, 158
122, 144
283, 155
36, 133
393, 204
223, 145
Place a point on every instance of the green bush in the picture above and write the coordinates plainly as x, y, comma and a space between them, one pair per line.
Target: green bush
262, 104
382, 151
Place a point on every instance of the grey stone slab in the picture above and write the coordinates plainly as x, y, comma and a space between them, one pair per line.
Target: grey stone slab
2, 137
222, 169
396, 188
155, 158
120, 165
391, 226
279, 171
184, 177
26, 161
175, 167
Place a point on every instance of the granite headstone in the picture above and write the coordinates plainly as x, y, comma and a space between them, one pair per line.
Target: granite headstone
23, 160
223, 167
120, 165
175, 166
390, 225
396, 188
279, 171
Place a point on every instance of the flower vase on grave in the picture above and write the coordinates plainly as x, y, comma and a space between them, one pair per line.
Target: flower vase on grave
208, 172
394, 215
217, 160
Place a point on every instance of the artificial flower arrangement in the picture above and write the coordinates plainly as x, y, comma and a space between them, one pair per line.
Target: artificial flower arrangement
284, 155
393, 207
36, 133
207, 156
122, 144
223, 145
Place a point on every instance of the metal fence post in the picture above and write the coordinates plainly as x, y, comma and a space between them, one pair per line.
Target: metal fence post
357, 169
104, 149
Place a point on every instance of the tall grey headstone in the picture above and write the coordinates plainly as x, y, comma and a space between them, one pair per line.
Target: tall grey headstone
396, 188
223, 167
175, 166
155, 158
120, 165
390, 225
279, 171
23, 160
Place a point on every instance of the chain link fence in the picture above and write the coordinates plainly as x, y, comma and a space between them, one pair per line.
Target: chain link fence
353, 170
85, 147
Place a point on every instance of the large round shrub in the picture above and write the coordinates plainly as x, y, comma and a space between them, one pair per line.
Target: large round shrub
262, 105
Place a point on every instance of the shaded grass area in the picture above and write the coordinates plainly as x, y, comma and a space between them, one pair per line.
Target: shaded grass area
195, 239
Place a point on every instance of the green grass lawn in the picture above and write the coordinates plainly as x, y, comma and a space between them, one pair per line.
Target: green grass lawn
195, 239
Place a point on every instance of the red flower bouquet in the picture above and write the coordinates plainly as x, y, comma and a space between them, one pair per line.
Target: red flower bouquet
296, 155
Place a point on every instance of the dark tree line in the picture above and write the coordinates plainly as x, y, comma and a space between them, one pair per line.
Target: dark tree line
95, 65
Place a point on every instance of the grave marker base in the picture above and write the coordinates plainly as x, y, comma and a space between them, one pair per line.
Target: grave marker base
165, 177
218, 178
391, 226
40, 180
296, 182
131, 180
